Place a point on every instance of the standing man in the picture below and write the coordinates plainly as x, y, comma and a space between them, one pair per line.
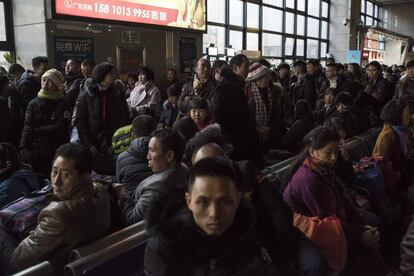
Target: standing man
202, 85
29, 84
73, 79
303, 88
405, 86
231, 111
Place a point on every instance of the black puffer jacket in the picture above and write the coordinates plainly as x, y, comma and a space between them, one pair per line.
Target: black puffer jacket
72, 88
92, 128
45, 129
342, 85
180, 247
132, 166
304, 88
29, 85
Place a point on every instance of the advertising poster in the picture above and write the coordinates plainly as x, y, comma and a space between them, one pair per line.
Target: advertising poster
72, 47
188, 53
353, 56
188, 14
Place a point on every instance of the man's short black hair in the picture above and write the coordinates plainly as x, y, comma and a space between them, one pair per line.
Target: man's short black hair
143, 125
410, 64
174, 90
344, 98
212, 166
301, 66
376, 64
392, 112
149, 74
170, 140
237, 60
101, 70
283, 65
37, 61
172, 70
80, 154
88, 63
334, 65
16, 68
76, 60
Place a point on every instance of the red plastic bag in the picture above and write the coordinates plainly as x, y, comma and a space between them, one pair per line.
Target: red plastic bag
328, 235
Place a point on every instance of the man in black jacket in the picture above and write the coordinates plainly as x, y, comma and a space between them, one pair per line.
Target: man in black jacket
385, 90
231, 112
29, 83
337, 81
315, 72
131, 165
213, 235
303, 88
73, 80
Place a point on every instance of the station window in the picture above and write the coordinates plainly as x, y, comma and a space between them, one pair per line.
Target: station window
371, 13
6, 33
281, 29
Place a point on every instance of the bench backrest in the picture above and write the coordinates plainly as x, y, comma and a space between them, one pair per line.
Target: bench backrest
123, 258
42, 269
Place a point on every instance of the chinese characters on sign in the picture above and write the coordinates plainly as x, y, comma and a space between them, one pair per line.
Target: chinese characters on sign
72, 47
175, 13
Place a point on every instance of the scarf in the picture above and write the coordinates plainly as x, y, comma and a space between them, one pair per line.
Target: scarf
55, 95
261, 110
402, 133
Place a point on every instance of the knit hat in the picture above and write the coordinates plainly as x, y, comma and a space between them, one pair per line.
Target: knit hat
56, 78
257, 71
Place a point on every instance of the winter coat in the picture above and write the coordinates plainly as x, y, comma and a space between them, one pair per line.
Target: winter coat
206, 93
169, 182
29, 85
72, 88
168, 115
388, 146
231, 112
46, 127
355, 121
405, 87
369, 106
304, 88
145, 99
11, 113
292, 140
93, 129
132, 165
342, 85
318, 81
83, 216
316, 194
179, 247
385, 90
16, 185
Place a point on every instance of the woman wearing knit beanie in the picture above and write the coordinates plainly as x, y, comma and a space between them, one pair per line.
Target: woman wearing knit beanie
46, 123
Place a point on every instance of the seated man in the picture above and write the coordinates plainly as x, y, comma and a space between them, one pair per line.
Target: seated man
355, 120
79, 212
165, 151
131, 165
213, 234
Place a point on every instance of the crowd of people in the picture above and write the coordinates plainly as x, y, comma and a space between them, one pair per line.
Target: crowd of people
91, 154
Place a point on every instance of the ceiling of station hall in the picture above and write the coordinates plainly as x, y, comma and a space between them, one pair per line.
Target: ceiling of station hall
395, 2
